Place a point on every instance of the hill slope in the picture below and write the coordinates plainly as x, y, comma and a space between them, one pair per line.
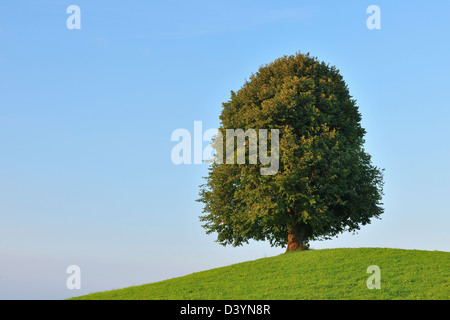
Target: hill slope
312, 274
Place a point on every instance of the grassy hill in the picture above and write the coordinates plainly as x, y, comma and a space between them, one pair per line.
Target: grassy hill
312, 274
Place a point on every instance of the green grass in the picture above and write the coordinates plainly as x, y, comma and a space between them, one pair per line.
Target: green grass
313, 274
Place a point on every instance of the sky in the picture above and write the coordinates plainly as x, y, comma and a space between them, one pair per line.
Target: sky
86, 117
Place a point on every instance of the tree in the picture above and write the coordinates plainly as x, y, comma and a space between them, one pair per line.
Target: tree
325, 184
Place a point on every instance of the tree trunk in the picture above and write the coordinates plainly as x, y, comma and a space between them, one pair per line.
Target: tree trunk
295, 238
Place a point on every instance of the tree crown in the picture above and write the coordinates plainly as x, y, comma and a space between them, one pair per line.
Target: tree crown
326, 183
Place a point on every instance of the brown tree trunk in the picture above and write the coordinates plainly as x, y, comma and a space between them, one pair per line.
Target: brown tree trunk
295, 238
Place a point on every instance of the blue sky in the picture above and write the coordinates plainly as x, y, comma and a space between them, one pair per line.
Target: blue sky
86, 118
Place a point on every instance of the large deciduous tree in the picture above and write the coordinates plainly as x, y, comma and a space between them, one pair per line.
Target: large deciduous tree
326, 183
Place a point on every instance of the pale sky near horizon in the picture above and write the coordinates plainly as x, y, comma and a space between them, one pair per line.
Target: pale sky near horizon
86, 118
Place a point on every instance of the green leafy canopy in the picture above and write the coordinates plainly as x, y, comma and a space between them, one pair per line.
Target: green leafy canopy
325, 182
